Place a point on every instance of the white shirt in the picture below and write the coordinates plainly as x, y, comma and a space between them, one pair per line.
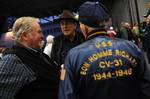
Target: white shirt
47, 49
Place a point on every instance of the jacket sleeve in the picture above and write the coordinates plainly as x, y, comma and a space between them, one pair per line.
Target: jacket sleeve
12, 77
67, 85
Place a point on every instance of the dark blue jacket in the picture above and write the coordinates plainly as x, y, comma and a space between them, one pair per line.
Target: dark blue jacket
104, 68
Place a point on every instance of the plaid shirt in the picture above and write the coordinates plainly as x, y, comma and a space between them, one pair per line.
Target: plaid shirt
13, 76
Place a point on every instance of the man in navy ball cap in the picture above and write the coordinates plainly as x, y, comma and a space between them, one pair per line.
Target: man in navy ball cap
103, 67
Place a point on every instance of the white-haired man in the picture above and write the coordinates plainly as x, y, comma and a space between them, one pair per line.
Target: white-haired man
26, 72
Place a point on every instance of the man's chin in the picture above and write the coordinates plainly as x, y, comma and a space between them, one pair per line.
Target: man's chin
67, 34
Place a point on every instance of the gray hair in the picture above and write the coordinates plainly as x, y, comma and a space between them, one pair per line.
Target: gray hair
23, 24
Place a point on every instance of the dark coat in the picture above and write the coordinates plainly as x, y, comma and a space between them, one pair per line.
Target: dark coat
62, 45
45, 86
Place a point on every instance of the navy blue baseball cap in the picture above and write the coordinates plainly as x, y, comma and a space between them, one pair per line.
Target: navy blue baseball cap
93, 13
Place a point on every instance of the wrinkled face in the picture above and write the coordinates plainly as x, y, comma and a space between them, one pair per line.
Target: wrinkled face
35, 39
68, 27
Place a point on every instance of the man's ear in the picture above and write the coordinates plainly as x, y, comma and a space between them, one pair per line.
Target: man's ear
24, 36
83, 29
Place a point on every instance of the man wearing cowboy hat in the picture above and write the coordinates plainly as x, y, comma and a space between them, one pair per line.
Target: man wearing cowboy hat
68, 39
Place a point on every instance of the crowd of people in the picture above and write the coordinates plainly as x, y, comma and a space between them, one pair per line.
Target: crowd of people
97, 63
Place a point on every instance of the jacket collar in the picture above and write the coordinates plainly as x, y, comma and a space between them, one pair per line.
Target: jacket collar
96, 33
20, 45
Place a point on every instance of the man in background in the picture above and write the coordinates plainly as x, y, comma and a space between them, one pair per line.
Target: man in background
6, 42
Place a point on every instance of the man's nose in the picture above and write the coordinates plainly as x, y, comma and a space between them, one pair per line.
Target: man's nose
65, 25
42, 35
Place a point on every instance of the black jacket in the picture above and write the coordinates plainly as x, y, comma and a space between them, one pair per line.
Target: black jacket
47, 77
62, 45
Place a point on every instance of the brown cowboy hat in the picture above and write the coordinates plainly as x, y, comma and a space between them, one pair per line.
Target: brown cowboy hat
68, 15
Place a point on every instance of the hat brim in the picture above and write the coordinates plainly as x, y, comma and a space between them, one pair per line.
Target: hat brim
67, 19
